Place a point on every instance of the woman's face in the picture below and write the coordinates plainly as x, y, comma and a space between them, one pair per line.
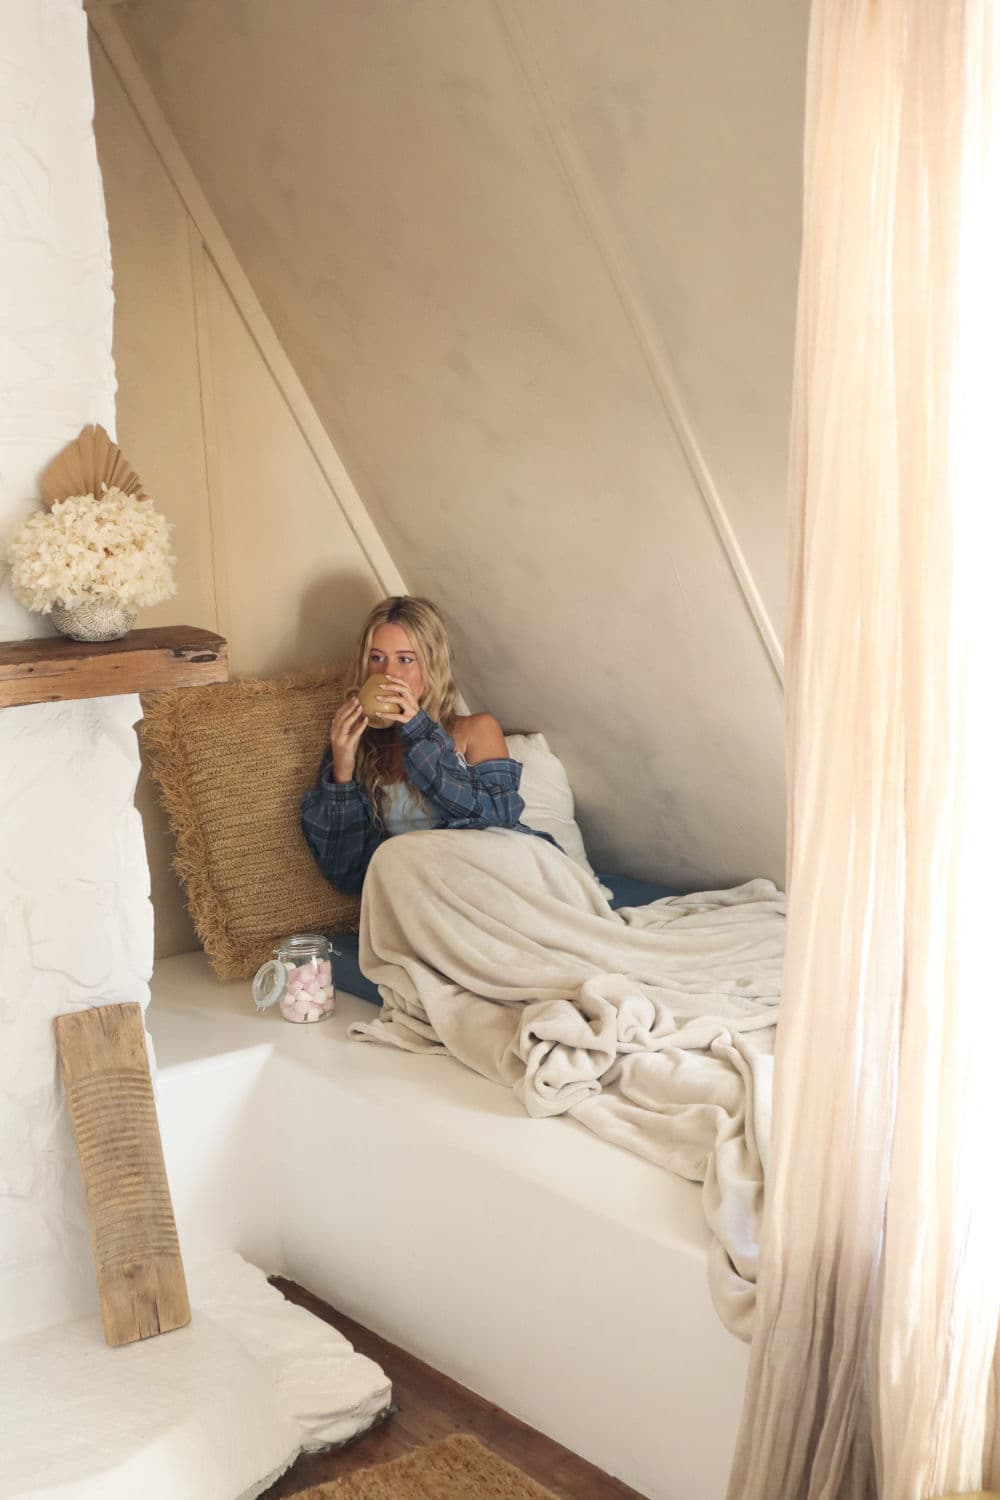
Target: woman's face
391, 651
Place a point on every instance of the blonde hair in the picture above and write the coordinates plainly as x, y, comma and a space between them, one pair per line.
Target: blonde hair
429, 638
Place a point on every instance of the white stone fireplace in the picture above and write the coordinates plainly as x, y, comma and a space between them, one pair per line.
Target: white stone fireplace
76, 924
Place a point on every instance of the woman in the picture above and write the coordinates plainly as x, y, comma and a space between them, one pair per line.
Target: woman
653, 1026
433, 768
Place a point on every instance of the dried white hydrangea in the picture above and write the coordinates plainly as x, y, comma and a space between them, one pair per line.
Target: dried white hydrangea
88, 547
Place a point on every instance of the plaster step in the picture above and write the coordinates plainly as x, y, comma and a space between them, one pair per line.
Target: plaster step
213, 1411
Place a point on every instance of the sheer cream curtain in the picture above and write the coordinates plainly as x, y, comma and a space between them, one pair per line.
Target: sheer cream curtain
879, 1293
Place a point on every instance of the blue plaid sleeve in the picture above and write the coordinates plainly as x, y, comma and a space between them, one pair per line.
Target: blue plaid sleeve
480, 796
336, 820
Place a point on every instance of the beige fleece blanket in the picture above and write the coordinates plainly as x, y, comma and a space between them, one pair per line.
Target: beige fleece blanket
653, 1026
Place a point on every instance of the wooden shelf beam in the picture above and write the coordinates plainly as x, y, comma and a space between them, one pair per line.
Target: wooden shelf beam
55, 670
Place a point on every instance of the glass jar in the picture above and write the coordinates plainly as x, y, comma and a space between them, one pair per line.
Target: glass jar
298, 979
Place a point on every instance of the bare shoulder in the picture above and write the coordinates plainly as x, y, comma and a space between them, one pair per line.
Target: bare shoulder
479, 737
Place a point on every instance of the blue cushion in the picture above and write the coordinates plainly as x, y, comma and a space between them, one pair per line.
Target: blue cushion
346, 973
630, 891
627, 890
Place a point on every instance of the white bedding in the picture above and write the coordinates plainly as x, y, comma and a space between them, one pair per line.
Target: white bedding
653, 1026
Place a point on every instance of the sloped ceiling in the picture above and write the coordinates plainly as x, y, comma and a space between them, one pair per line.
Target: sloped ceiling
535, 263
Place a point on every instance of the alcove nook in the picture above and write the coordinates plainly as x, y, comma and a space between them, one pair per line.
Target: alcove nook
466, 333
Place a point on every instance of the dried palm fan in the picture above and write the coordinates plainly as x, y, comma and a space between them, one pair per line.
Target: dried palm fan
85, 465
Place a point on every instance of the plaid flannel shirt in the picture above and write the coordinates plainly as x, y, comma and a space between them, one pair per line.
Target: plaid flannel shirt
337, 818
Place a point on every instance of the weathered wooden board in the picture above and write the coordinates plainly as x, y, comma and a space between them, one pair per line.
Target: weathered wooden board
140, 1275
53, 669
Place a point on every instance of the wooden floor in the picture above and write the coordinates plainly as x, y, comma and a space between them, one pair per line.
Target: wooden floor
429, 1406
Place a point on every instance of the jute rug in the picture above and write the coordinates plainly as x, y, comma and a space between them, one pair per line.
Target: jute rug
457, 1468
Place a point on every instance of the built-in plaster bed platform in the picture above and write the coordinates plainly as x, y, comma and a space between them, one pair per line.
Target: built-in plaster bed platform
553, 1273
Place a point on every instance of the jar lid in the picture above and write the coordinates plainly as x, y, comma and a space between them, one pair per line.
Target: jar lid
303, 945
268, 984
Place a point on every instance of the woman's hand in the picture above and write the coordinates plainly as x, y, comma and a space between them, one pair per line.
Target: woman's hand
349, 724
399, 694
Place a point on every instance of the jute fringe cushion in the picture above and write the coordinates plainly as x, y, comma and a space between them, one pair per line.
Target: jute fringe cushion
231, 762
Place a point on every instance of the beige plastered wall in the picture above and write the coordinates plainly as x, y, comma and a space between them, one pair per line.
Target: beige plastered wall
535, 266
265, 552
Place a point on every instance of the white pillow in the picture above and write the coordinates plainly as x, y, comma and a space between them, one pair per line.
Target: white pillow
548, 796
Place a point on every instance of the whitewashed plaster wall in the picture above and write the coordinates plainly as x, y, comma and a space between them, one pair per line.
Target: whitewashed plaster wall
75, 919
219, 447
535, 263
